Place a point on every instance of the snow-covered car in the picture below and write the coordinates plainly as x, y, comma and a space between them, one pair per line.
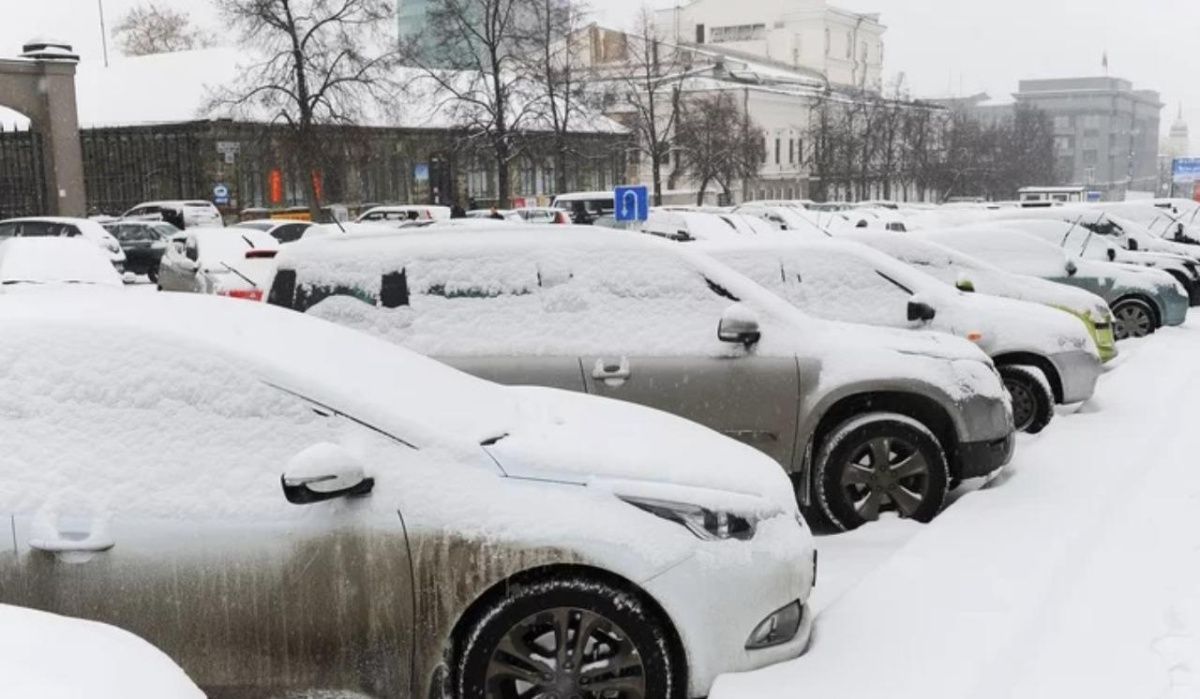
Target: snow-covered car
310, 510
1142, 300
235, 262
783, 218
1079, 240
1043, 354
495, 215
968, 273
181, 214
54, 657
47, 262
644, 320
402, 213
283, 230
63, 227
585, 207
546, 215
143, 243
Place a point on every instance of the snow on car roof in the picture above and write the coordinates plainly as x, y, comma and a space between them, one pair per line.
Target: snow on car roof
54, 657
55, 261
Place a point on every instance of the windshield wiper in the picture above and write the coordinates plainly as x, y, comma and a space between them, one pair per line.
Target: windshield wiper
248, 279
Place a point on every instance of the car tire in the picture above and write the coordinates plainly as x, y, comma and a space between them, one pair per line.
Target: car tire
1032, 400
851, 489
153, 275
1132, 318
623, 630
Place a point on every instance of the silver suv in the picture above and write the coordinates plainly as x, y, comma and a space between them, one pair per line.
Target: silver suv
864, 419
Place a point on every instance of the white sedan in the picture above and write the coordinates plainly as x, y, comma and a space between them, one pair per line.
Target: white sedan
235, 262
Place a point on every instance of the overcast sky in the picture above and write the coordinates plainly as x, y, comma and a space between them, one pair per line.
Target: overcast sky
942, 46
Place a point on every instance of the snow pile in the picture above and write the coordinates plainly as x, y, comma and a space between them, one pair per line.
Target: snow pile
54, 261
53, 657
1073, 574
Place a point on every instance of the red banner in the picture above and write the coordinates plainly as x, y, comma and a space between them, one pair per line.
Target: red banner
318, 185
275, 186
1196, 192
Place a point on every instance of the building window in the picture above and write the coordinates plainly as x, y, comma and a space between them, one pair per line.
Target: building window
791, 151
800, 150
766, 152
741, 32
1089, 175
1062, 123
1091, 121
699, 33
1064, 144
778, 143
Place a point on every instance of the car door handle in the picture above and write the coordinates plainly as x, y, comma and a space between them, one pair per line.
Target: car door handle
61, 544
608, 371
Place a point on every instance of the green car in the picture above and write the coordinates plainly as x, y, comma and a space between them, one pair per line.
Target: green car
1142, 299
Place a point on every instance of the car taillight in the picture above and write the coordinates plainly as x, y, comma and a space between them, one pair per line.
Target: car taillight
261, 254
248, 294
561, 217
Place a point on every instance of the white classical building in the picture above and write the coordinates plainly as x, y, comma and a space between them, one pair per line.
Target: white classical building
846, 47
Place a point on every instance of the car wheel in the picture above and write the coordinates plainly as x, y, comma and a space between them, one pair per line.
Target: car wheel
568, 637
881, 462
1132, 318
153, 275
1032, 401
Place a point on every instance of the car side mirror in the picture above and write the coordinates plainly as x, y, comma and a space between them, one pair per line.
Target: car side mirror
739, 325
1112, 255
1133, 245
920, 311
1072, 268
323, 472
965, 284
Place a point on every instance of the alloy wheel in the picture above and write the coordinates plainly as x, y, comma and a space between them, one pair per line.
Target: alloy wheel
566, 653
885, 473
1024, 405
1132, 320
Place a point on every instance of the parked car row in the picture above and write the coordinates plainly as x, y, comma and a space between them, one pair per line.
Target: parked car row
608, 429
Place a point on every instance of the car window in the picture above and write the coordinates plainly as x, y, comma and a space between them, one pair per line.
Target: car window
289, 233
573, 303
8, 230
40, 229
211, 438
191, 249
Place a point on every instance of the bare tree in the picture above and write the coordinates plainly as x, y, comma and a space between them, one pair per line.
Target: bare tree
558, 86
473, 55
717, 142
650, 87
321, 62
152, 28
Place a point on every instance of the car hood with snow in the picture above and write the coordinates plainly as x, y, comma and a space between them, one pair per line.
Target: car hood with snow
46, 656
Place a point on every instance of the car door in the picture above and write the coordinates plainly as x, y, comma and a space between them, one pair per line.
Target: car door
651, 332
159, 509
171, 276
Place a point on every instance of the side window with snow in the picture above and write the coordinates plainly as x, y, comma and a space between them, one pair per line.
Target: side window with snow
836, 285
210, 436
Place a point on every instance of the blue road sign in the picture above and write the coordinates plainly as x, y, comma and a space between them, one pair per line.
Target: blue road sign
1185, 169
221, 195
631, 203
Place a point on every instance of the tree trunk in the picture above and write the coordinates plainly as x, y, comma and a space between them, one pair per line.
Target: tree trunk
703, 189
656, 176
503, 181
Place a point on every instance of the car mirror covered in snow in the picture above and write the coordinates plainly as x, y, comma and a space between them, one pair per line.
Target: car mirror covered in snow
324, 472
739, 325
920, 311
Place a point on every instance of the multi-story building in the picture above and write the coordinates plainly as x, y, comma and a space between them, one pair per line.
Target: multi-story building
1179, 142
1106, 133
412, 16
846, 47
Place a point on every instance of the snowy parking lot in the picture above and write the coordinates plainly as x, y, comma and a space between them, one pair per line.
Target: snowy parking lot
1073, 573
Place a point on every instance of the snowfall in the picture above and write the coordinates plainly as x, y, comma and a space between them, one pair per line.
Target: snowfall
1073, 573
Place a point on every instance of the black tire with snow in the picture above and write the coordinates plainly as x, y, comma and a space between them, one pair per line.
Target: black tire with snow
1033, 402
877, 462
628, 645
1133, 318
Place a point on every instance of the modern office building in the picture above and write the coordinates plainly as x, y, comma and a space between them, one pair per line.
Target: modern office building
1106, 133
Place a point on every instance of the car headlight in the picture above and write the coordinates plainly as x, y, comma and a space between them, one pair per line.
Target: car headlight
112, 247
706, 524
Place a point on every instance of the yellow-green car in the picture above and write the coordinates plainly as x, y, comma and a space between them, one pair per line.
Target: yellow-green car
972, 274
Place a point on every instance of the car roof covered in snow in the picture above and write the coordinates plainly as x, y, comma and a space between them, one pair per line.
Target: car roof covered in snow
55, 261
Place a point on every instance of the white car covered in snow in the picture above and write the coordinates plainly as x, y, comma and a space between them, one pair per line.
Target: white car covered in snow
46, 656
40, 262
235, 262
1044, 355
287, 506
62, 227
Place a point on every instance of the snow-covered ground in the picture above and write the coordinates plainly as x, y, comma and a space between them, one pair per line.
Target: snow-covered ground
1075, 573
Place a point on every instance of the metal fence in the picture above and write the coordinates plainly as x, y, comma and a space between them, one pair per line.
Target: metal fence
126, 166
22, 174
